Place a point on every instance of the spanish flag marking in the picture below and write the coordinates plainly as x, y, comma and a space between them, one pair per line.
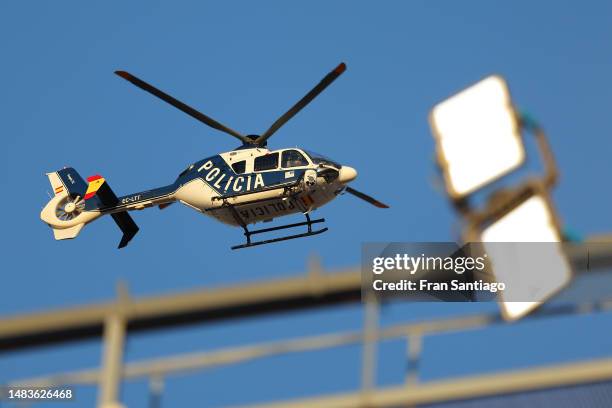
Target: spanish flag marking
95, 182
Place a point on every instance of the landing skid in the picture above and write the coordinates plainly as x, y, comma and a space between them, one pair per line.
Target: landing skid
308, 223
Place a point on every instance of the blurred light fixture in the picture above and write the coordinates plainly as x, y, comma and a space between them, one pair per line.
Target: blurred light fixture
522, 243
477, 135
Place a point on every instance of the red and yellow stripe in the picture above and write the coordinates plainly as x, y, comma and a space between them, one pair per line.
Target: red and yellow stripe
95, 182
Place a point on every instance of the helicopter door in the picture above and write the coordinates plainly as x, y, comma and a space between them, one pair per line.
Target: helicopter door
291, 159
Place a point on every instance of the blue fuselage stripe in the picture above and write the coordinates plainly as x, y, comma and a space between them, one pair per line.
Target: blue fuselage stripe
215, 172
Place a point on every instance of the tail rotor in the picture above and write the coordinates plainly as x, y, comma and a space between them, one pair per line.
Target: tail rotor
69, 208
77, 203
65, 212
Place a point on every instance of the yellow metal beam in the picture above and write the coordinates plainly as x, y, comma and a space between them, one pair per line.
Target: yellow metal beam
464, 388
171, 310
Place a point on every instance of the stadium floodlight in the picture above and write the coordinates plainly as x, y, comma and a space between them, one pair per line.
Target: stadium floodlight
477, 136
524, 251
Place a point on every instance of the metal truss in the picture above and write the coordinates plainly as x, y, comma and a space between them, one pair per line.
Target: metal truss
113, 321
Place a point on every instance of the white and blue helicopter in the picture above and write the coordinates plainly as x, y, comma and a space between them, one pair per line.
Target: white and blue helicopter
241, 187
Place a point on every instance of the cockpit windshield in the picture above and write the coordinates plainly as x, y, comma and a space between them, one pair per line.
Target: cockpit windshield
320, 159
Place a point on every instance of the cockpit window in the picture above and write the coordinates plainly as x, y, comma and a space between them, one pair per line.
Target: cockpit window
267, 162
239, 167
293, 158
320, 159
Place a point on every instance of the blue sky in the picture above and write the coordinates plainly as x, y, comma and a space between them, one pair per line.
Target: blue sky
245, 63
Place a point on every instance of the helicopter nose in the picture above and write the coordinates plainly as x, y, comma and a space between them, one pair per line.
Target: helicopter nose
347, 174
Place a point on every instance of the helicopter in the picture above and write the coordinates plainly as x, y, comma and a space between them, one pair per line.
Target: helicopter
244, 186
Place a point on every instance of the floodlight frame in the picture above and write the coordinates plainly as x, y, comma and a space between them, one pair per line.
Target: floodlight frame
443, 163
503, 202
551, 172
500, 206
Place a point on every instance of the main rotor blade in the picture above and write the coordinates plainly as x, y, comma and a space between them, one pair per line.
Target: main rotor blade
366, 197
180, 105
325, 82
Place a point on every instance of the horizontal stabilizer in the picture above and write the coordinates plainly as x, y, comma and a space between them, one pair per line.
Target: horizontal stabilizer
127, 226
108, 199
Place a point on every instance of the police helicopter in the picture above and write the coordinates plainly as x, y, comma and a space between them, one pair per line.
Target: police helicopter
241, 187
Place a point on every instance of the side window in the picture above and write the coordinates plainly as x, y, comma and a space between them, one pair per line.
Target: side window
293, 158
267, 162
239, 167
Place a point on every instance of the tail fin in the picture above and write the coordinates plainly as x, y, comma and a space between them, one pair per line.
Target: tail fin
98, 187
67, 180
68, 211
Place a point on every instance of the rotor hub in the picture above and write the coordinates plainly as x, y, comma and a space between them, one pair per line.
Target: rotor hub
70, 207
